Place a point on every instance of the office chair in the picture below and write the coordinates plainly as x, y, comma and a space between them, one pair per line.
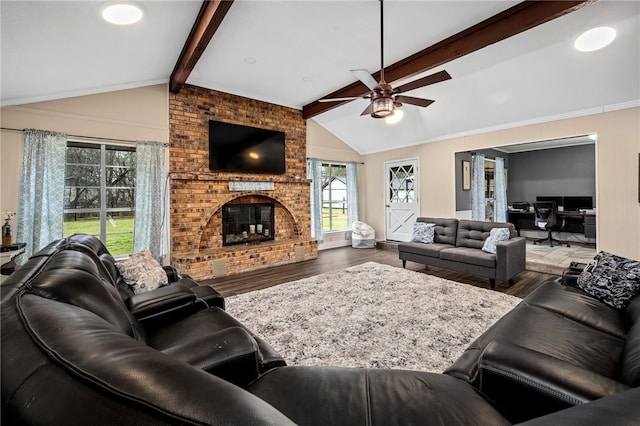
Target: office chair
547, 219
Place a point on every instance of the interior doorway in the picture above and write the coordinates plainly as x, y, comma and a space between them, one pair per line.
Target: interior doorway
563, 168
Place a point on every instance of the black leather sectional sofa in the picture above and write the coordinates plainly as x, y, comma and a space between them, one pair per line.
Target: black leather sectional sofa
74, 353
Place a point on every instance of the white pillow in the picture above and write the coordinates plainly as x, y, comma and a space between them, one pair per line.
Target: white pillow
423, 232
496, 234
142, 272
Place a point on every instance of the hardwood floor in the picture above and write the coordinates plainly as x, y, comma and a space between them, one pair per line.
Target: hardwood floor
340, 258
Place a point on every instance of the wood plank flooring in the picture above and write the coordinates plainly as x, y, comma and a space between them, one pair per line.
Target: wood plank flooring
343, 257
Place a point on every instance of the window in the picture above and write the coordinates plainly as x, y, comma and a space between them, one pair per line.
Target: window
99, 193
334, 197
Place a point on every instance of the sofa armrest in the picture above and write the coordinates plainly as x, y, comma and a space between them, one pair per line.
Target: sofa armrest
230, 353
511, 258
621, 409
524, 384
174, 276
160, 301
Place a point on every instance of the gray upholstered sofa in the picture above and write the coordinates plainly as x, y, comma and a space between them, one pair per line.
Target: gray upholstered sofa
458, 246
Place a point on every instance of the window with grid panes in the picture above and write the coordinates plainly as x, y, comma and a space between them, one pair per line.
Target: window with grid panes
334, 197
100, 193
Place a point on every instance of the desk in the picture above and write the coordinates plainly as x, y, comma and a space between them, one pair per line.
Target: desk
576, 222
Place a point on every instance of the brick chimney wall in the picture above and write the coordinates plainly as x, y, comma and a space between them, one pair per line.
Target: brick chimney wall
198, 194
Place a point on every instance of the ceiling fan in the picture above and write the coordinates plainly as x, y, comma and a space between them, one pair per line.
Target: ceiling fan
384, 98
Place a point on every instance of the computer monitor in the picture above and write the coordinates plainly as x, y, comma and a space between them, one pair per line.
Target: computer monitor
556, 198
572, 203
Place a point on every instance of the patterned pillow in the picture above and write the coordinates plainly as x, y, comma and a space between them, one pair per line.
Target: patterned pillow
142, 272
423, 232
611, 279
496, 234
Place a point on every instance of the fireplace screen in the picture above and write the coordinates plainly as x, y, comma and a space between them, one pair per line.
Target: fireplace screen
246, 223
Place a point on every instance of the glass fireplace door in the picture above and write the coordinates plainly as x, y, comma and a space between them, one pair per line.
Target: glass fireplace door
247, 223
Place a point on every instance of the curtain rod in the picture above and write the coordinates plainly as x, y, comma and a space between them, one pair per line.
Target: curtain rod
335, 161
84, 137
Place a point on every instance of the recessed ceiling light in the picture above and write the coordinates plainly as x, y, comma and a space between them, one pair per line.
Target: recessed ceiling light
595, 39
250, 60
307, 79
122, 14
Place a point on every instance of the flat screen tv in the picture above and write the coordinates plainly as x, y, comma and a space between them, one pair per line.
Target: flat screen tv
244, 149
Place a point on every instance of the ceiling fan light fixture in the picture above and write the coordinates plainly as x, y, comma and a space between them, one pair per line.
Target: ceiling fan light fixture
395, 117
382, 107
122, 14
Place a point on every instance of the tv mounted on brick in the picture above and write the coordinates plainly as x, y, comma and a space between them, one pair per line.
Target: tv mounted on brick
244, 149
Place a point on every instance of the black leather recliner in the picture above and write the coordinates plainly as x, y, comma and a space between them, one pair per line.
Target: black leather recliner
73, 273
163, 305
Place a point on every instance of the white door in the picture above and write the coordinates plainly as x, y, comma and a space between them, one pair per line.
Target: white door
402, 205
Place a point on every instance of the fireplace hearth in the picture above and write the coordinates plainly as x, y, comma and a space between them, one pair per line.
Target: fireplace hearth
247, 223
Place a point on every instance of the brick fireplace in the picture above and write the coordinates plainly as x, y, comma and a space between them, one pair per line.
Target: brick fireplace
198, 195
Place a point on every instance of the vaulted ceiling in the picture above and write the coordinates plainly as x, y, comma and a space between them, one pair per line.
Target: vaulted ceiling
293, 53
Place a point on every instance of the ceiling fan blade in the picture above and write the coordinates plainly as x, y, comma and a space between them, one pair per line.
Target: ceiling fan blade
341, 99
366, 78
414, 101
424, 81
368, 110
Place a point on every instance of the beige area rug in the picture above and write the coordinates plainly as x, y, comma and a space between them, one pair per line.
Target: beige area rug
371, 315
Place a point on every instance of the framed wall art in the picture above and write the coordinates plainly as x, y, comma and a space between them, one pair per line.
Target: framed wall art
466, 175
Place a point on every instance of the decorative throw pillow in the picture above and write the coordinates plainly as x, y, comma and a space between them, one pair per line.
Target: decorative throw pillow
611, 279
142, 272
496, 234
423, 232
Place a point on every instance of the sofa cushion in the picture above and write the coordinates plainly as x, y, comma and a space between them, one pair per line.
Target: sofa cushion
73, 277
548, 333
142, 272
495, 235
445, 230
423, 232
109, 263
633, 310
359, 396
612, 279
472, 233
469, 256
631, 357
575, 304
431, 250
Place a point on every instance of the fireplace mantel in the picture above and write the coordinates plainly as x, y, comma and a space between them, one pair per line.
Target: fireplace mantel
217, 177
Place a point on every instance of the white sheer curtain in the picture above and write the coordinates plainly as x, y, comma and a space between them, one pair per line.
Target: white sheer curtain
478, 205
150, 200
314, 172
353, 196
41, 205
500, 204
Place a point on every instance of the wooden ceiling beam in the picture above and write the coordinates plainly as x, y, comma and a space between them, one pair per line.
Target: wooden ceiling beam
517, 19
209, 19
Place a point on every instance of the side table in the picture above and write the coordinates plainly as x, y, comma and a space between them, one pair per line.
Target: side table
7, 255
